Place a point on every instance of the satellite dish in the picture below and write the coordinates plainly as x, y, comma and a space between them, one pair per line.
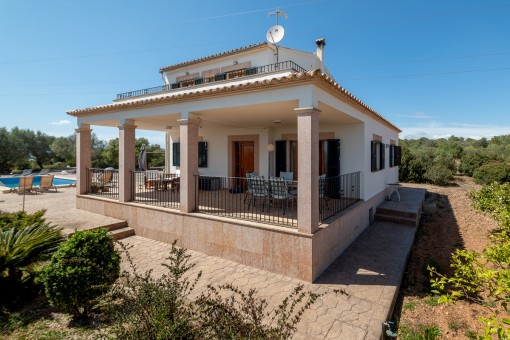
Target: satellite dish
275, 34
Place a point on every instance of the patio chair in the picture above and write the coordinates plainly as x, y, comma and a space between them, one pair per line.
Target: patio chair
280, 191
322, 187
104, 180
46, 184
25, 184
259, 190
288, 176
249, 185
151, 179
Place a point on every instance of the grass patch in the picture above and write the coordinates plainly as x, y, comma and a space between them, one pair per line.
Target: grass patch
420, 332
470, 335
456, 325
431, 300
410, 306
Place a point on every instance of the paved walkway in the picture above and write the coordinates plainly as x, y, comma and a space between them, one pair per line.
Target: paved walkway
370, 270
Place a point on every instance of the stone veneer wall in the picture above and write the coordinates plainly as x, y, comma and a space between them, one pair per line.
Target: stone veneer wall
333, 238
276, 249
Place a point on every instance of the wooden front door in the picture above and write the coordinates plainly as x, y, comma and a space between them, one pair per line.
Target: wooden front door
244, 158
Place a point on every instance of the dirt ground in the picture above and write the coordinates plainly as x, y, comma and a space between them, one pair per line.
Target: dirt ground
449, 222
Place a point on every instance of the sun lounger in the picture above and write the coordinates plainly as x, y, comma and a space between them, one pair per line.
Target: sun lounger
43, 172
26, 172
46, 184
25, 184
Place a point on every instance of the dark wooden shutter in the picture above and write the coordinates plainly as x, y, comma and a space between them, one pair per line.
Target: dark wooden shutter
332, 157
398, 155
373, 155
176, 150
202, 154
392, 156
383, 153
280, 156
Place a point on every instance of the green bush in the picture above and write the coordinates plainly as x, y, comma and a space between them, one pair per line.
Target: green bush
492, 172
20, 219
484, 278
440, 172
25, 241
81, 271
472, 161
143, 307
412, 169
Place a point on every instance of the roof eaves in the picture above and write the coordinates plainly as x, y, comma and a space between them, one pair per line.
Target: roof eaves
213, 56
328, 82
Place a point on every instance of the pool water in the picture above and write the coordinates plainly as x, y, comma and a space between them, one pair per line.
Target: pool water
13, 182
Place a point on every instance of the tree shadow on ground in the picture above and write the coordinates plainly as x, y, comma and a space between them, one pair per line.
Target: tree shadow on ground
437, 237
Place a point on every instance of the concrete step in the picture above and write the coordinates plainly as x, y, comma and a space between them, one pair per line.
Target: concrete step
119, 230
392, 212
409, 221
116, 225
119, 234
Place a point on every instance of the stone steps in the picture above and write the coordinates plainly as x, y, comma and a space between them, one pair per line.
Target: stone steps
397, 212
119, 230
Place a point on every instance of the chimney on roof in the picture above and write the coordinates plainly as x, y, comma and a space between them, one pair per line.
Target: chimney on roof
321, 42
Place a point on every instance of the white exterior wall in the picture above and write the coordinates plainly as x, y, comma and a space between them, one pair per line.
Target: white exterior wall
257, 58
372, 182
377, 181
217, 150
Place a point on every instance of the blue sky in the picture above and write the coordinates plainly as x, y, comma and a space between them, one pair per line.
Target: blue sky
433, 68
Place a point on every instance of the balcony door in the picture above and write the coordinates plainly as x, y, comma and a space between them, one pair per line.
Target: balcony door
329, 157
244, 158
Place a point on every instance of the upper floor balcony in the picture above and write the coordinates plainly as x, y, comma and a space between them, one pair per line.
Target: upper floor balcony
220, 77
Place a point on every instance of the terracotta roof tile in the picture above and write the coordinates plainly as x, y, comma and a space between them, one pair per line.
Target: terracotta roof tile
313, 75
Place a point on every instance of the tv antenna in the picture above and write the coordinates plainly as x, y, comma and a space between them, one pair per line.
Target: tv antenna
275, 34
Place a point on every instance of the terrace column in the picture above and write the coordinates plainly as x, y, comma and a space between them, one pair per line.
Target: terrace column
126, 160
308, 169
188, 163
83, 157
168, 149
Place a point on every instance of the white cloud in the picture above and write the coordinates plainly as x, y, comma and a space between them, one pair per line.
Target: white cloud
61, 122
415, 116
435, 131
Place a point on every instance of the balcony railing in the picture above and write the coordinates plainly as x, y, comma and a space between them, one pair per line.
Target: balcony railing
254, 199
338, 193
103, 182
156, 188
260, 200
284, 65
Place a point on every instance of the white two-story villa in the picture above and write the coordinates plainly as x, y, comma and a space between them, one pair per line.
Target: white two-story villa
269, 161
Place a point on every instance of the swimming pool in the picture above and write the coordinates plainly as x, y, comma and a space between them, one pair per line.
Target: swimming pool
13, 182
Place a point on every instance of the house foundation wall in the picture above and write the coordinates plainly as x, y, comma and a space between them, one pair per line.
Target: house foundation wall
275, 249
333, 238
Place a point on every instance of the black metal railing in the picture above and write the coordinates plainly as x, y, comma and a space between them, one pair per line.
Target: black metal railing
255, 199
337, 193
284, 65
103, 182
156, 188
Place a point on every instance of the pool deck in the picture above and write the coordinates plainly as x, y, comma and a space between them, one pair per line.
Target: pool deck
60, 207
370, 270
7, 190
